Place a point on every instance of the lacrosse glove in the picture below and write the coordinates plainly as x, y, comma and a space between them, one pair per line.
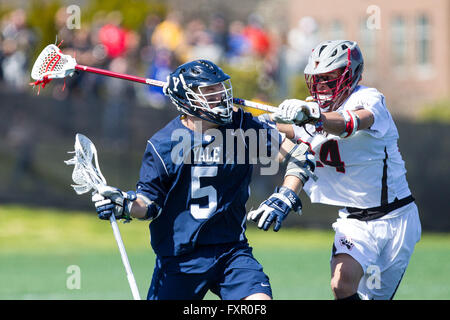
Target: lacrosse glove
298, 112
112, 200
276, 208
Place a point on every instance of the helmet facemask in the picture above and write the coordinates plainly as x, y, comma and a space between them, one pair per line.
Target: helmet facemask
329, 92
212, 102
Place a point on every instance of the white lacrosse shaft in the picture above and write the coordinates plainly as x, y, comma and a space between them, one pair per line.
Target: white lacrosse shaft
87, 177
123, 255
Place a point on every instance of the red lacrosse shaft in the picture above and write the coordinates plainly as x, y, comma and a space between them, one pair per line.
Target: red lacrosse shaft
120, 75
157, 83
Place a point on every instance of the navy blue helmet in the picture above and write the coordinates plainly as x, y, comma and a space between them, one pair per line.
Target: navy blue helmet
201, 89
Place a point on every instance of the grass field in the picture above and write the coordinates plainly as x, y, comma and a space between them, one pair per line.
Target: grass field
37, 246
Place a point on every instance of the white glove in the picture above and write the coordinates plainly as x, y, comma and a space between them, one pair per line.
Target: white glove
296, 111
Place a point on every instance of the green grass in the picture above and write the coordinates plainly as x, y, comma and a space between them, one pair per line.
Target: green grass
38, 245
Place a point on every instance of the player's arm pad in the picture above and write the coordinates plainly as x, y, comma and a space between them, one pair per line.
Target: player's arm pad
300, 163
153, 209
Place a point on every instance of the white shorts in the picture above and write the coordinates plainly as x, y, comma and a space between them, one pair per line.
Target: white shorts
383, 248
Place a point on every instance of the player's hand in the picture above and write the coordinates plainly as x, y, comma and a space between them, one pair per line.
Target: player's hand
276, 208
111, 200
296, 111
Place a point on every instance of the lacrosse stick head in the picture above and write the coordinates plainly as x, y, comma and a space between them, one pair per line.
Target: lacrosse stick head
52, 64
86, 172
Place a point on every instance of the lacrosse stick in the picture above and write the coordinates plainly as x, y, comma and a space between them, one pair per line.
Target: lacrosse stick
53, 64
87, 176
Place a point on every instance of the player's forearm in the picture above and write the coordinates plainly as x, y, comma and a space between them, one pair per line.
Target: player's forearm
139, 209
285, 147
287, 129
293, 183
333, 122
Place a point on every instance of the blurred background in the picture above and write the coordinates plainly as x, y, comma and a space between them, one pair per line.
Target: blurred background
263, 45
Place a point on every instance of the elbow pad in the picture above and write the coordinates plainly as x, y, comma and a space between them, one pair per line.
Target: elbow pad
301, 163
351, 123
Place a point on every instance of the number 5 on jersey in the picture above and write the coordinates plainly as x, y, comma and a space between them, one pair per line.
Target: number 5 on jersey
197, 192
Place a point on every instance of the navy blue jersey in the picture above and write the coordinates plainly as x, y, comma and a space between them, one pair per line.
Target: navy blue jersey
201, 189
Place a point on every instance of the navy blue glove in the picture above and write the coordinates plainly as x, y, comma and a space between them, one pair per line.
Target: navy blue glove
112, 200
276, 208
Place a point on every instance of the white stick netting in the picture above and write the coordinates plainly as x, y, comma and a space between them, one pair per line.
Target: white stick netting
86, 172
53, 64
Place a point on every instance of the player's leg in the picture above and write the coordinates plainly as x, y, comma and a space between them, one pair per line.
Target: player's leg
384, 278
346, 274
354, 249
241, 276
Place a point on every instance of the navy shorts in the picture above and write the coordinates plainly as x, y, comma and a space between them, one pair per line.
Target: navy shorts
229, 271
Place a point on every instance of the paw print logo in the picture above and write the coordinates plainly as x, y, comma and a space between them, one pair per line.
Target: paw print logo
346, 241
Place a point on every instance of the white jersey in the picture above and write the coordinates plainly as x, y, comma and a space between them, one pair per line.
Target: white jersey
363, 171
